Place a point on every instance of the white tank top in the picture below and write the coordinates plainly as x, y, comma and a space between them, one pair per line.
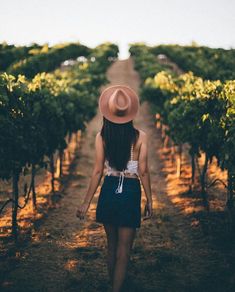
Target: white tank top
131, 168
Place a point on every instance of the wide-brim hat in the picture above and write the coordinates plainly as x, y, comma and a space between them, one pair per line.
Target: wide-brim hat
119, 103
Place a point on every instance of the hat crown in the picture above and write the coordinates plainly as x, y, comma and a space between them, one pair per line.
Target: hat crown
119, 102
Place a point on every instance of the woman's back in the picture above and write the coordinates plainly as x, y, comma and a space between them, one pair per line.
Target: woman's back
132, 165
131, 169
135, 150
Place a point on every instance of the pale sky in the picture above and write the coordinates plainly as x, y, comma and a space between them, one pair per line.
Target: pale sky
91, 22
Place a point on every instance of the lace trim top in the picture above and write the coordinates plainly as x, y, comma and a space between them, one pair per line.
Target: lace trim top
131, 168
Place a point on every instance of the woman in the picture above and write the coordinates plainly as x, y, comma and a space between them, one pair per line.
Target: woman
119, 202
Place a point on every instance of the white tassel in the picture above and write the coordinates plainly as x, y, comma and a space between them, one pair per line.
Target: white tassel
120, 185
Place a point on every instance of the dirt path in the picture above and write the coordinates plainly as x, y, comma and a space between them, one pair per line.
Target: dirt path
69, 255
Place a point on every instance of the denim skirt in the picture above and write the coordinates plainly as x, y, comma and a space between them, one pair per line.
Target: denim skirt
119, 209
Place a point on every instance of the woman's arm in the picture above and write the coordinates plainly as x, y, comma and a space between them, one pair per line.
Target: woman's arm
143, 167
97, 171
95, 178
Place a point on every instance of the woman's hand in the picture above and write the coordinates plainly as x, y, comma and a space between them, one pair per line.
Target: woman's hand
148, 210
82, 209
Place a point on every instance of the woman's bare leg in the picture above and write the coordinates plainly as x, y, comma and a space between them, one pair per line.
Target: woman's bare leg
126, 237
112, 239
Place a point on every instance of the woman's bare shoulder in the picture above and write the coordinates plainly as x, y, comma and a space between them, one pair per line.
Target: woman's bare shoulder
99, 137
142, 135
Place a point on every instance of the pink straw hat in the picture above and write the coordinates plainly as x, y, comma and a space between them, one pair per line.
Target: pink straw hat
119, 103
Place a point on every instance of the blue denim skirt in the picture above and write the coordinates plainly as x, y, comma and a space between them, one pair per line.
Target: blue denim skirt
120, 209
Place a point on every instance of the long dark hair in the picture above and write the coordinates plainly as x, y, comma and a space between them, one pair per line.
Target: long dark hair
117, 140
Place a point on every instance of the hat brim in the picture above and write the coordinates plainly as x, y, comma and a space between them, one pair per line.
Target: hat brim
131, 112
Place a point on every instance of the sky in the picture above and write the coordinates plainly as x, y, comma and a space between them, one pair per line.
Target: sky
92, 22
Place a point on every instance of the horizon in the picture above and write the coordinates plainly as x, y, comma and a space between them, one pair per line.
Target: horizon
207, 23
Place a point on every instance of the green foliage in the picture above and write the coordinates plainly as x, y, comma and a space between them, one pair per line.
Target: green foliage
228, 124
14, 125
145, 62
48, 60
197, 111
11, 53
36, 115
209, 63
